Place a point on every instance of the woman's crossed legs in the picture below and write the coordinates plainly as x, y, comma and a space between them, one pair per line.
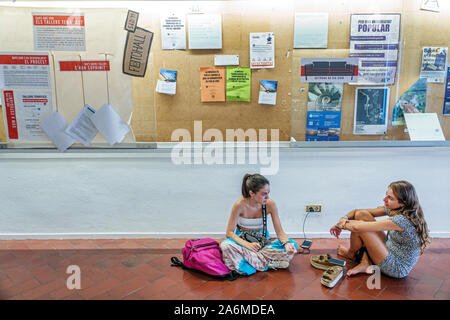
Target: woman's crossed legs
373, 241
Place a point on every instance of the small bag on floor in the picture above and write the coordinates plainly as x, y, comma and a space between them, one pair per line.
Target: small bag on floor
204, 255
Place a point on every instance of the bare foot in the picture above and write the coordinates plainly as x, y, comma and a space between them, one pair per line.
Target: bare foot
363, 267
344, 252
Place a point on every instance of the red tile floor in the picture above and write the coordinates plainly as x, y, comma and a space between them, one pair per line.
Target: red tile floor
140, 269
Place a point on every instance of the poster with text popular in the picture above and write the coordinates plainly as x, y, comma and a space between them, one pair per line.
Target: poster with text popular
238, 84
205, 31
434, 63
324, 111
374, 39
59, 32
412, 101
371, 109
212, 81
446, 110
173, 31
24, 70
262, 50
329, 69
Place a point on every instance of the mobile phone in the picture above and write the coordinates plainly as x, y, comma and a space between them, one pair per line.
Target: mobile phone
337, 261
306, 244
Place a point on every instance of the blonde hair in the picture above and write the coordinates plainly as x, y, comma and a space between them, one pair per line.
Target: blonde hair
406, 195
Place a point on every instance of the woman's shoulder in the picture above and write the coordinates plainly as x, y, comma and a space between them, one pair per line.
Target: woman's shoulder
239, 204
270, 205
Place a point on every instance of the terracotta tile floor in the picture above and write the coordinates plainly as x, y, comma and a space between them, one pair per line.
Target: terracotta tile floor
140, 269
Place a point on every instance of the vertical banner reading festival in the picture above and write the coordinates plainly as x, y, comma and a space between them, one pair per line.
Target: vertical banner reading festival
374, 39
59, 32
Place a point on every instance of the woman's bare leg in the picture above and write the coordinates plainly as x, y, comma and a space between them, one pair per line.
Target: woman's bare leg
374, 243
355, 240
355, 245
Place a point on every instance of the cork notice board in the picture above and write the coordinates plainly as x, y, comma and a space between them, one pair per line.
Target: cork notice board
156, 116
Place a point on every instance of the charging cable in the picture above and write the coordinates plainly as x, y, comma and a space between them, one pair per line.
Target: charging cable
305, 250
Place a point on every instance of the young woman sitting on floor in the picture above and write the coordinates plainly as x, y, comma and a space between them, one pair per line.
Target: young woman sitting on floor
407, 233
245, 224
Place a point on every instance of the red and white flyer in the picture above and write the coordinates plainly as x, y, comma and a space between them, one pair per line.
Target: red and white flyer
24, 112
21, 70
59, 31
32, 107
93, 65
10, 114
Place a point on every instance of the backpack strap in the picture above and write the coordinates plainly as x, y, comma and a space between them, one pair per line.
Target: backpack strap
264, 221
176, 262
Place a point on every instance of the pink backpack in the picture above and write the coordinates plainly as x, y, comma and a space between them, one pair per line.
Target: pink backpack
204, 255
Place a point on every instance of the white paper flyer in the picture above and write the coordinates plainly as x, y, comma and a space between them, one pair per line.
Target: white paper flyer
59, 31
82, 128
167, 82
311, 30
54, 127
110, 125
32, 107
424, 127
20, 70
205, 31
268, 92
173, 31
262, 50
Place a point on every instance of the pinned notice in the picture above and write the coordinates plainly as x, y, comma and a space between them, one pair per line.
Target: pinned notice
110, 125
137, 50
82, 128
212, 80
424, 127
20, 70
268, 92
59, 31
167, 82
54, 126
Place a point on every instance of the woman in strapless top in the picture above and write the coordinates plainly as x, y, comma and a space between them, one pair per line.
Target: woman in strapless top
247, 216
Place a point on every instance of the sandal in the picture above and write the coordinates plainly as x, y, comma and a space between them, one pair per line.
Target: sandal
332, 276
321, 262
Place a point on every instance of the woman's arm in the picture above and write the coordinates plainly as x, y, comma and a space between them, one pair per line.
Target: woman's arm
231, 227
377, 212
272, 208
281, 235
366, 226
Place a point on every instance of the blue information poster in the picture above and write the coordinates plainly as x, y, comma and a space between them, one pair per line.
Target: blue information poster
447, 94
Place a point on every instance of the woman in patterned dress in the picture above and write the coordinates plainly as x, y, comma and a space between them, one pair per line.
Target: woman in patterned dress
246, 216
396, 252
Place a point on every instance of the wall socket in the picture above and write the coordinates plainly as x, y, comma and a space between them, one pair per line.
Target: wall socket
314, 208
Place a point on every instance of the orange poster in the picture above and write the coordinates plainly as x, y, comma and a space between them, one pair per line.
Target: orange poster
213, 84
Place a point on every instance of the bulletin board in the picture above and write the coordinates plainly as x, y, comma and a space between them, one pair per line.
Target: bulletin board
155, 116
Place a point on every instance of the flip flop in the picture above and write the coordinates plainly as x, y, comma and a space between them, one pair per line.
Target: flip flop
332, 276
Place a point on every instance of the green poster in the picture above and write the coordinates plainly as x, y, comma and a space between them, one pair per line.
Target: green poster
238, 83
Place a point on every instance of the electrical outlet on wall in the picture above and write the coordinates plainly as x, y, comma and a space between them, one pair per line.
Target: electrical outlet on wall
314, 208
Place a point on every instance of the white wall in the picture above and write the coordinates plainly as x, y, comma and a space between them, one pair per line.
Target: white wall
45, 194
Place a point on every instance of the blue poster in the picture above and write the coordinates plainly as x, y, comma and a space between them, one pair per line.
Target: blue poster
323, 126
324, 111
447, 94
